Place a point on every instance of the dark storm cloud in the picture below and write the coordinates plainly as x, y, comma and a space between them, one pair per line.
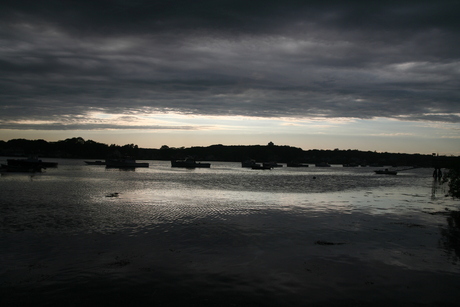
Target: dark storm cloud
395, 59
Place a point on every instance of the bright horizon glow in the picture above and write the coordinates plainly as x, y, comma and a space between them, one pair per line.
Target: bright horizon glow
179, 130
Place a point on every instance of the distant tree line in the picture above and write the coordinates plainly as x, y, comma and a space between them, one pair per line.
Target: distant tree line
87, 149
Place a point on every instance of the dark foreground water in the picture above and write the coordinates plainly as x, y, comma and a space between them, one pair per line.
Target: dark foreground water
227, 236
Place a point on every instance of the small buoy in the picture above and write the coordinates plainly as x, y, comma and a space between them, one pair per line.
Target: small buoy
314, 177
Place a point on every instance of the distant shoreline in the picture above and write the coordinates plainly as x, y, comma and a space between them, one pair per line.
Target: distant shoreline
87, 149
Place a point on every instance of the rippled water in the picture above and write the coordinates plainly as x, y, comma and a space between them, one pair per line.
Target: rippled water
227, 236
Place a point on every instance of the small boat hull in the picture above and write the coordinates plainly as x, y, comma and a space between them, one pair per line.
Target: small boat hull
189, 164
31, 162
258, 166
295, 164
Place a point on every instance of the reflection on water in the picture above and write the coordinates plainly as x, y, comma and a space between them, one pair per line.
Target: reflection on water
438, 188
227, 236
451, 234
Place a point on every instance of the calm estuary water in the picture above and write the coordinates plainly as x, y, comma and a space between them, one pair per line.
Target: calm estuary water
84, 235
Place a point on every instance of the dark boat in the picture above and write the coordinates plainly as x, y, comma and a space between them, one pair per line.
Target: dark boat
31, 161
248, 163
189, 163
272, 164
322, 164
259, 166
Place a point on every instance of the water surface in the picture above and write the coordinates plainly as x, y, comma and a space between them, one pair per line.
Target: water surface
227, 236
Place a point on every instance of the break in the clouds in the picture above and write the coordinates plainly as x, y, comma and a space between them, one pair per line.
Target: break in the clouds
304, 59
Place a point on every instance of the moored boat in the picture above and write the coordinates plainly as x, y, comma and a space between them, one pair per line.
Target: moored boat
296, 164
248, 163
261, 166
31, 161
272, 164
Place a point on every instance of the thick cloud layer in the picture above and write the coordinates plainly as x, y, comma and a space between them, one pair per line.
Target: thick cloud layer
63, 59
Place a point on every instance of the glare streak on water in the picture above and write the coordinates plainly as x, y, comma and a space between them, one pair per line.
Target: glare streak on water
286, 235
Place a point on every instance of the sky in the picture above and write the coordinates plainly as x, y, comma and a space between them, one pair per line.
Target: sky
370, 75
